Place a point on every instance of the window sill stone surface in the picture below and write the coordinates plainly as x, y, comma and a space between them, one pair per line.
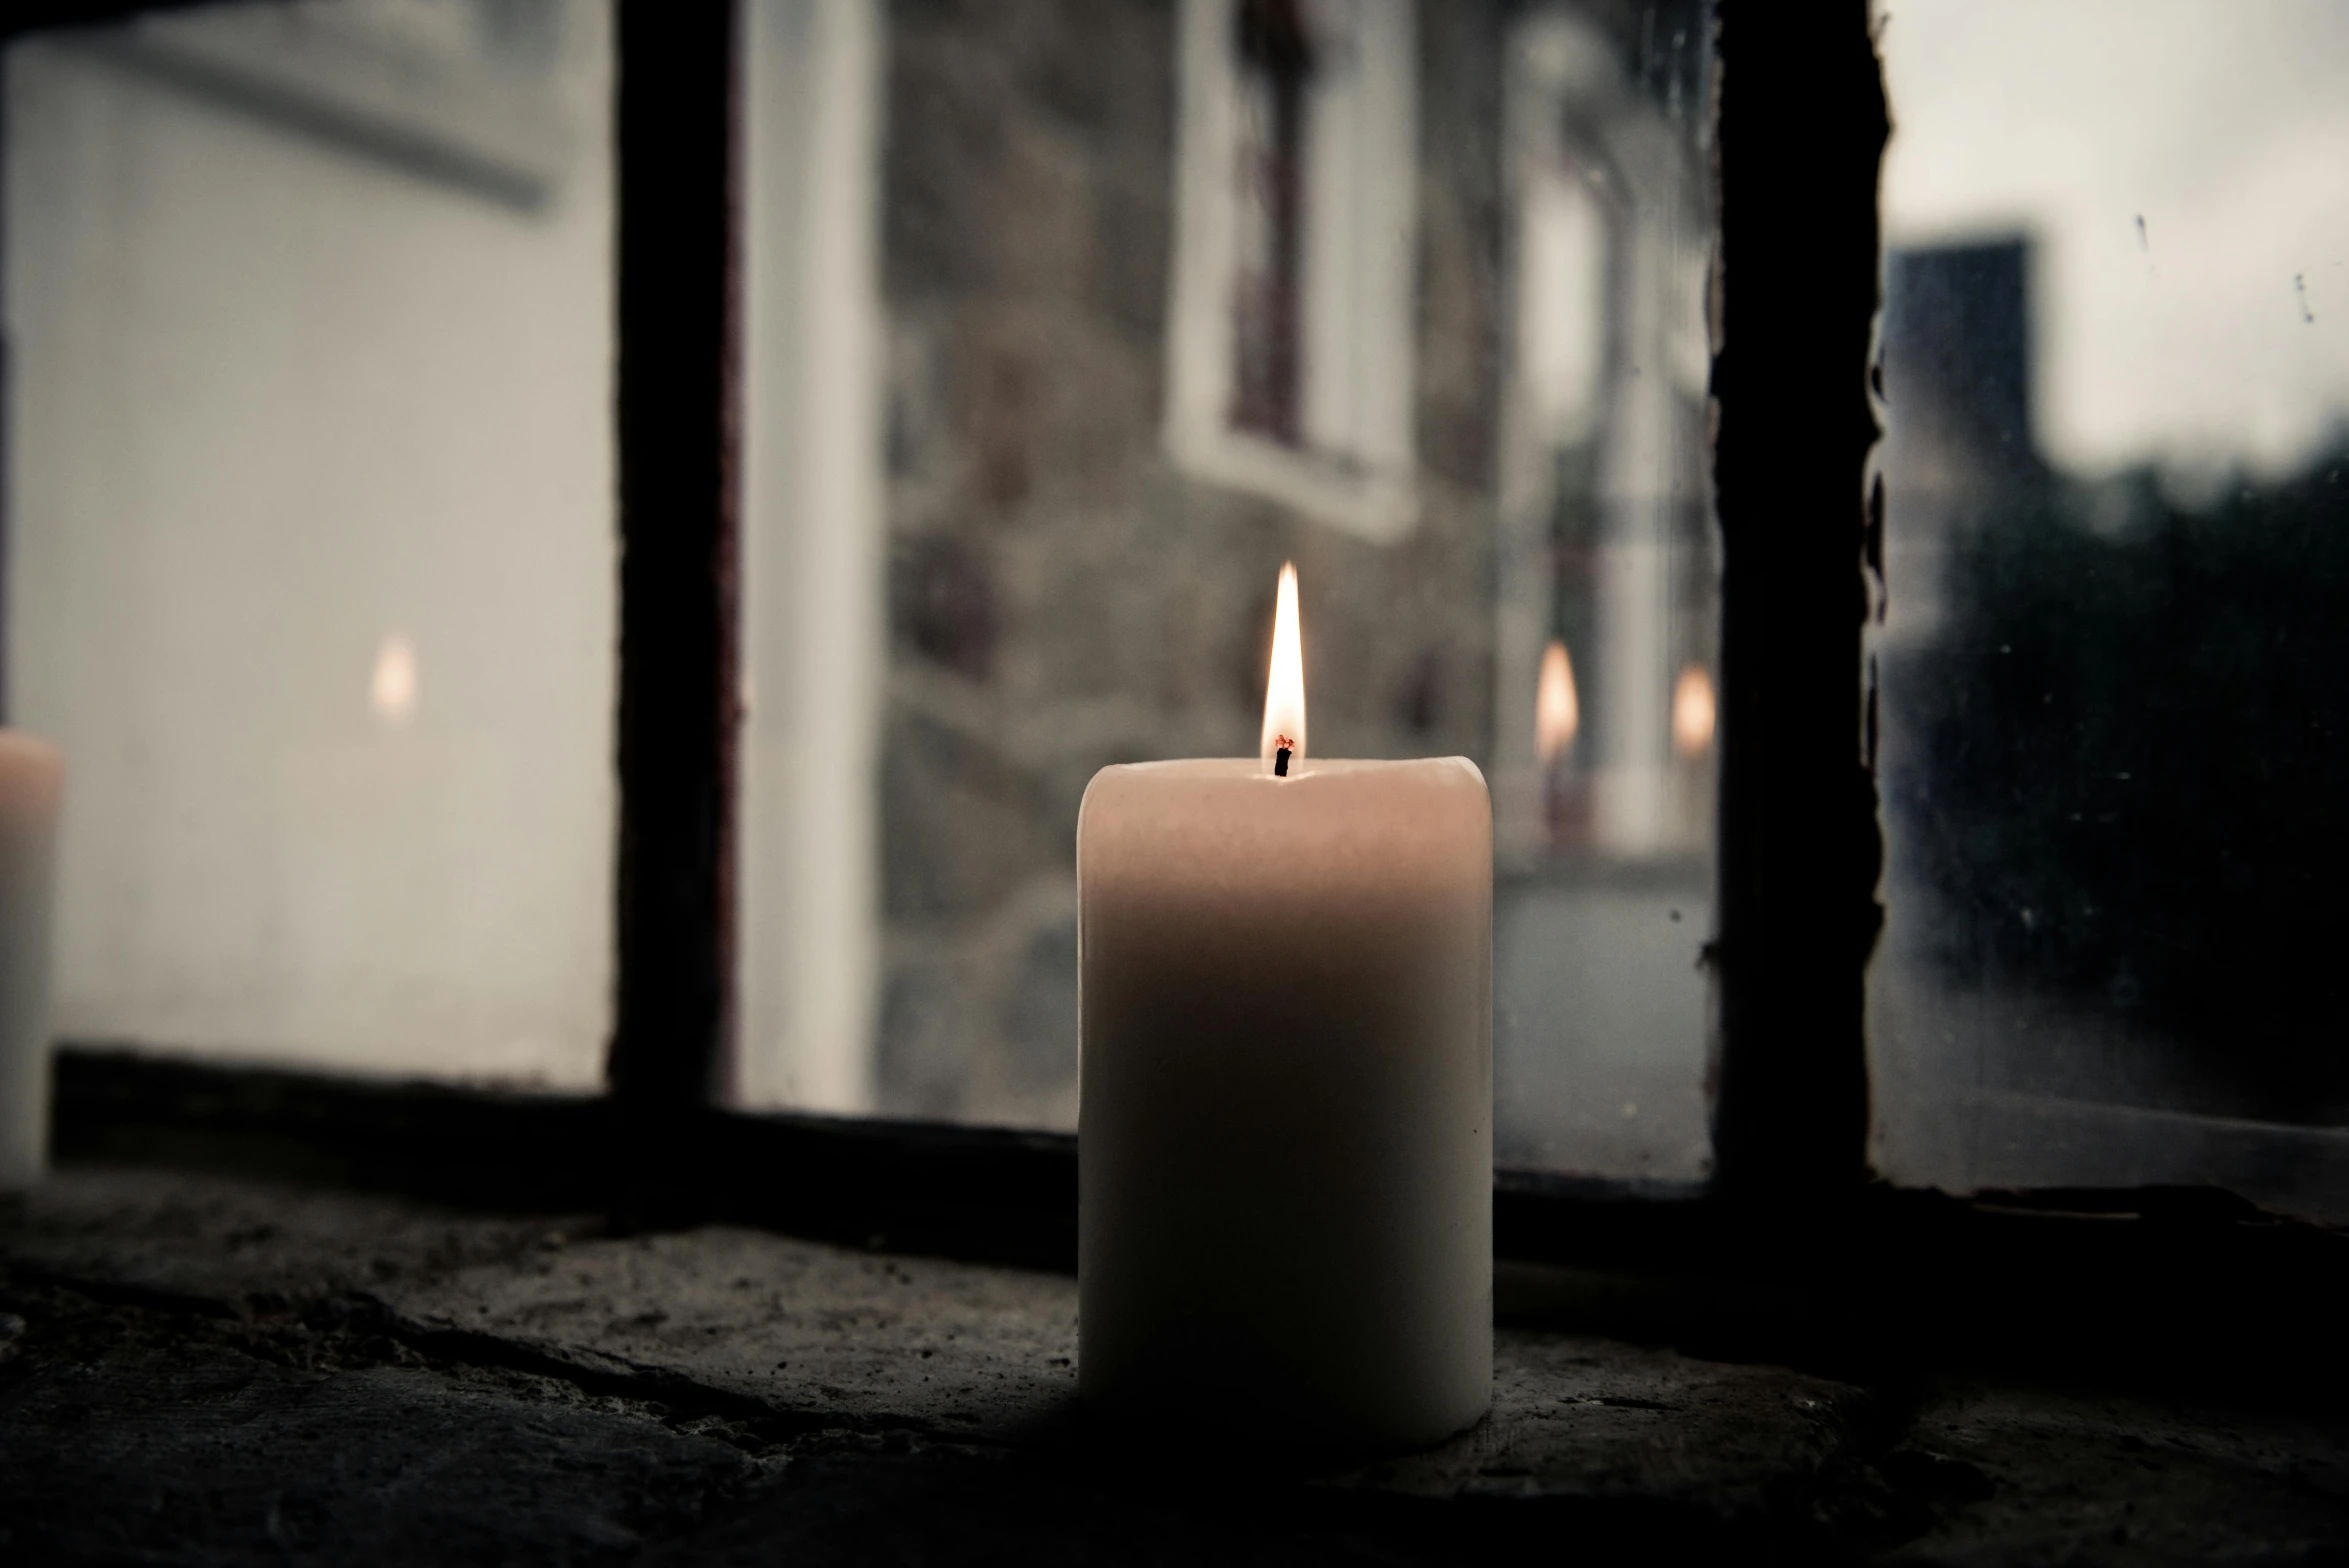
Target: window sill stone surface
194, 1368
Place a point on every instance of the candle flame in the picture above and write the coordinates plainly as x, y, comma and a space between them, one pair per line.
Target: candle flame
1556, 713
1692, 711
1284, 691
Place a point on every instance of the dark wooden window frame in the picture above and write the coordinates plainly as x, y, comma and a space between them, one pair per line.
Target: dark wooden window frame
1792, 1240
1266, 398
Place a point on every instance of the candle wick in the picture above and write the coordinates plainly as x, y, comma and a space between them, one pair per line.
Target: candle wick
1280, 757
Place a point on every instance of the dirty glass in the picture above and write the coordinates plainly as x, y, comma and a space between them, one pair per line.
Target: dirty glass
1110, 309
309, 550
2115, 730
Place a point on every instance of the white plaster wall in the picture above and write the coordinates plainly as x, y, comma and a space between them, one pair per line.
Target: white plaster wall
272, 403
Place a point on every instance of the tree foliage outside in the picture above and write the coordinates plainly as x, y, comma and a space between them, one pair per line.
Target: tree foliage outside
2131, 782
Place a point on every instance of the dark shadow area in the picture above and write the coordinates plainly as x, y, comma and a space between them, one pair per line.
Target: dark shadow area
2135, 744
202, 1369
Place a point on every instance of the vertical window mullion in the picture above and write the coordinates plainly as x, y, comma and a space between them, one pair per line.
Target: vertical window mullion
678, 388
1801, 131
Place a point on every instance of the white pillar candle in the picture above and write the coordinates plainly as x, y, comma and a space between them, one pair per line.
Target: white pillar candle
1285, 1125
32, 780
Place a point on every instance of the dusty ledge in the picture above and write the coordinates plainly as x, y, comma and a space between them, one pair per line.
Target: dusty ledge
201, 1369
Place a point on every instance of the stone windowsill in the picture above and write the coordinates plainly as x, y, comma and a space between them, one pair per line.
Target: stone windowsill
200, 1369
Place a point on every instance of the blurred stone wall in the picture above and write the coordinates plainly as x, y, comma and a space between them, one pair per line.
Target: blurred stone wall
1061, 598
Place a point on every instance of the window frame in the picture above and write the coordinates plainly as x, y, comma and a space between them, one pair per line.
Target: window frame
1800, 129
1367, 485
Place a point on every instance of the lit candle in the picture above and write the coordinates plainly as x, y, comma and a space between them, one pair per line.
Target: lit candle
1285, 1126
32, 779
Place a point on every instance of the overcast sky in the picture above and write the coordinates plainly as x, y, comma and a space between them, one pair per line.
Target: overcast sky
2224, 124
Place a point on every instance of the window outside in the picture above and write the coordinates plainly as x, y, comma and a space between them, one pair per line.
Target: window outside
310, 549
2117, 381
1063, 330
1608, 601
1083, 486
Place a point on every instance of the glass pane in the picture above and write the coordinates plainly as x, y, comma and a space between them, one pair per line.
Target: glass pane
1067, 328
2113, 717
310, 553
1605, 633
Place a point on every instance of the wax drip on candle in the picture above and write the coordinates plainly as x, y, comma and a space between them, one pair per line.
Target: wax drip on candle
1283, 740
